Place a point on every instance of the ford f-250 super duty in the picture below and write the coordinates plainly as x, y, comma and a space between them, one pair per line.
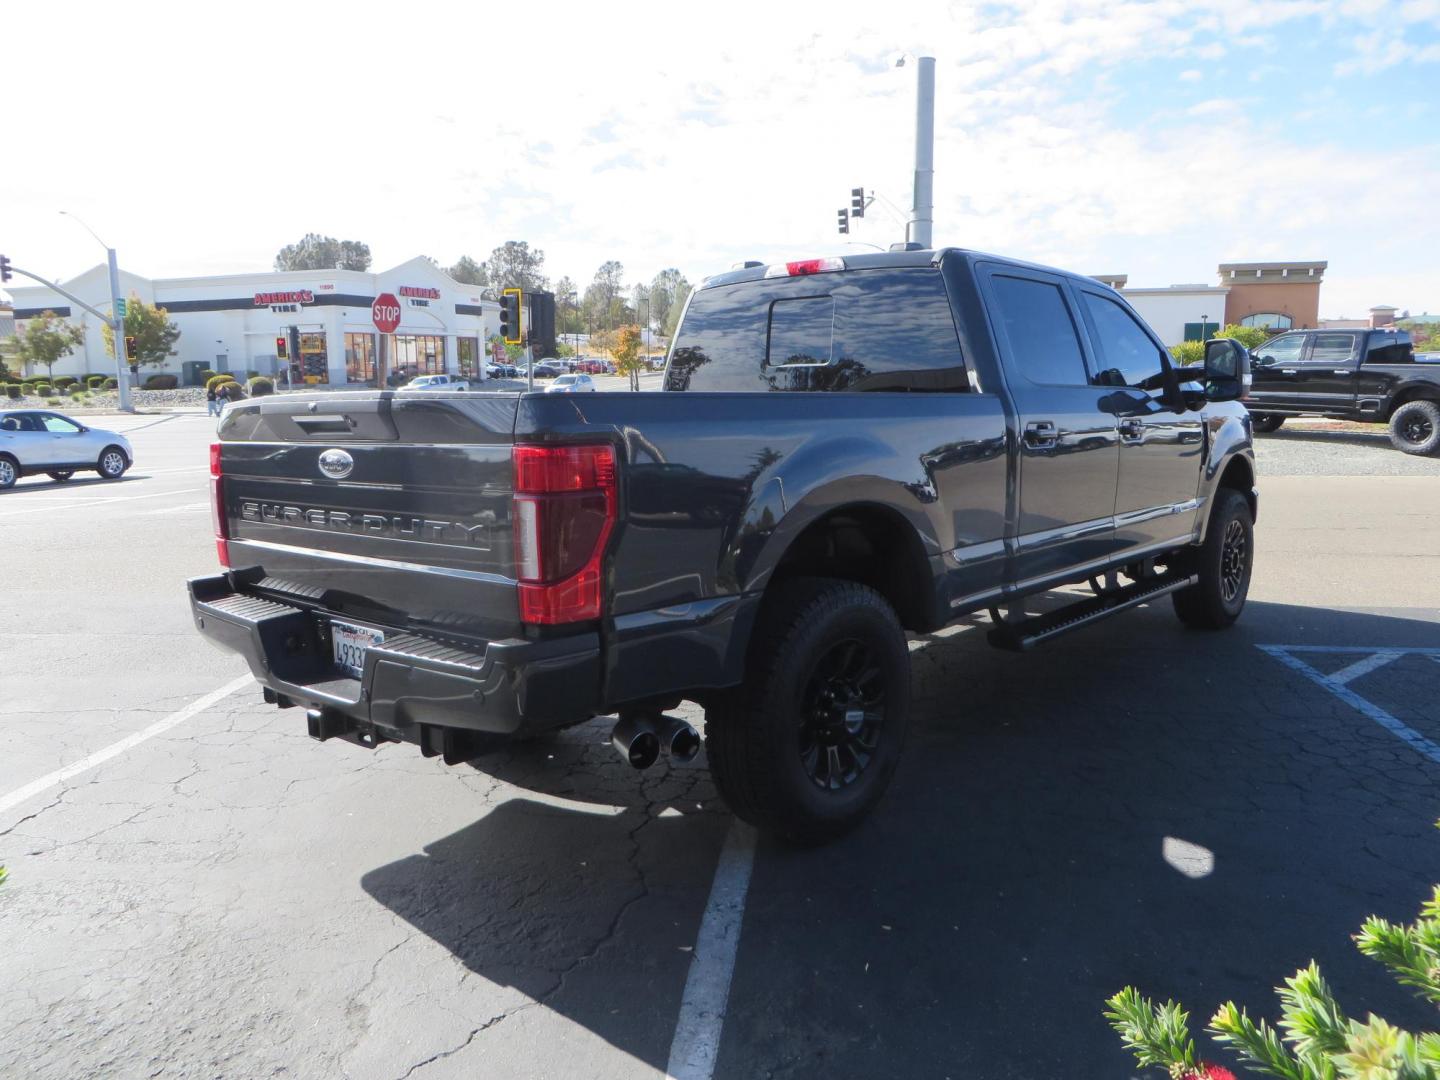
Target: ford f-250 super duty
844, 450
1367, 375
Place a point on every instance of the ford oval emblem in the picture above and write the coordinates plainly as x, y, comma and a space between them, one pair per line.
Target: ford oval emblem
336, 464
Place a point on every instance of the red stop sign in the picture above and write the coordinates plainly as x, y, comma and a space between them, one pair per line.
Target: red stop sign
385, 313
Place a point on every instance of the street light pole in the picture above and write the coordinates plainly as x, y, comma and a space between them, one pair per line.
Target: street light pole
117, 322
924, 206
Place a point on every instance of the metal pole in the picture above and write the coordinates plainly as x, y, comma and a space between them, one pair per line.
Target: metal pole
117, 327
923, 214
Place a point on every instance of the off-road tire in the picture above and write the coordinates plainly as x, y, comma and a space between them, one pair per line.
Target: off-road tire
1224, 563
1265, 423
1415, 428
761, 738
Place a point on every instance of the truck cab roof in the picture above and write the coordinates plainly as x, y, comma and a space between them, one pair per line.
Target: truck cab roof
879, 260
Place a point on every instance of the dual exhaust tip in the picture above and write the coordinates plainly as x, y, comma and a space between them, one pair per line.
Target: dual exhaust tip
640, 738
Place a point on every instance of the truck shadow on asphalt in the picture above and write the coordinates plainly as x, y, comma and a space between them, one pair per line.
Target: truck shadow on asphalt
1136, 804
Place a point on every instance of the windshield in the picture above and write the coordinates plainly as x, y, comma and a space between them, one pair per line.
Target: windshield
565, 380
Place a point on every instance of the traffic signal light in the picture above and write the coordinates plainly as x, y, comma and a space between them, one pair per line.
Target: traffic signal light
4, 268
844, 221
130, 353
857, 202
510, 316
282, 351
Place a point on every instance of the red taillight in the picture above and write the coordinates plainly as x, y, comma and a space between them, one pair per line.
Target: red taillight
564, 512
217, 507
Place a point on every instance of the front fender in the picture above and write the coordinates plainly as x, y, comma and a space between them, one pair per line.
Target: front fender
1230, 444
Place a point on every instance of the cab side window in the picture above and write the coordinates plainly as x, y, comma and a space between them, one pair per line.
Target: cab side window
1128, 355
1284, 349
1332, 349
1042, 336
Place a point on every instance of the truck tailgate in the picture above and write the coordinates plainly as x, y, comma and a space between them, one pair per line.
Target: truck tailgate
393, 509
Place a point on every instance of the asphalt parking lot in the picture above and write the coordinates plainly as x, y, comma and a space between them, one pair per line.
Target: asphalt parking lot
198, 889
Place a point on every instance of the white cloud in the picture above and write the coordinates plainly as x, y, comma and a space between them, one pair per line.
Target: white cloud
668, 135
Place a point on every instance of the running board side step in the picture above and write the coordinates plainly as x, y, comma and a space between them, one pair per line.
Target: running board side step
1027, 633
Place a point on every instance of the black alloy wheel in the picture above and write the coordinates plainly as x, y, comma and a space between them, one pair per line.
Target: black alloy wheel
1234, 561
807, 744
1415, 427
1222, 565
842, 714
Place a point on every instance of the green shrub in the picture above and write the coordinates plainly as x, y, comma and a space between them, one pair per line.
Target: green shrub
215, 381
1188, 352
13, 391
94, 382
43, 389
161, 382
1314, 1040
259, 386
252, 375
64, 381
110, 384
207, 375
52, 401
73, 390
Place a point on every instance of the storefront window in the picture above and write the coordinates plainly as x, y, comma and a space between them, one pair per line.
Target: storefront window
360, 359
417, 354
465, 353
312, 366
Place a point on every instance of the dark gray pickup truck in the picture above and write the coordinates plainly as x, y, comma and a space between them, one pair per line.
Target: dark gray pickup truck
844, 450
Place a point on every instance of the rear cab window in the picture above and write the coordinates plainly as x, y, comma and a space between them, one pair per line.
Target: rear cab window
855, 330
1390, 348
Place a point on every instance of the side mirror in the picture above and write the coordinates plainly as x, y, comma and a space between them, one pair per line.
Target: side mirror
1227, 370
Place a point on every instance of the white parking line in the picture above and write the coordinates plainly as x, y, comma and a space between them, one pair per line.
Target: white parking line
707, 987
1396, 727
1365, 666
101, 501
175, 719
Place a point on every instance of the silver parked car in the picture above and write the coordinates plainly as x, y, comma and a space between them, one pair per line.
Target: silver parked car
571, 384
34, 442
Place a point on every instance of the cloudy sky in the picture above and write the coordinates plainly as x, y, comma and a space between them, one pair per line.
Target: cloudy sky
1155, 139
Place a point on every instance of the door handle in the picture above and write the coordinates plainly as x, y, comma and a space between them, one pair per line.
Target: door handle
1132, 429
1342, 371
1040, 434
1288, 371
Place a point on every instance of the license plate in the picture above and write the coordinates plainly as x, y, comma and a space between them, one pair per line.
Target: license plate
350, 642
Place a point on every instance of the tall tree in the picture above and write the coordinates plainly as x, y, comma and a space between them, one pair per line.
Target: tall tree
604, 304
567, 308
45, 339
641, 293
513, 265
155, 335
677, 306
469, 272
662, 296
316, 252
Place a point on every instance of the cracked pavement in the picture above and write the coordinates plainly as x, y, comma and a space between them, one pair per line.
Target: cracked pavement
232, 899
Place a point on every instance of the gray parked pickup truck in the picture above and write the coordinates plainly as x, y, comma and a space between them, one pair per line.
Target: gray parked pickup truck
1367, 375
844, 451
